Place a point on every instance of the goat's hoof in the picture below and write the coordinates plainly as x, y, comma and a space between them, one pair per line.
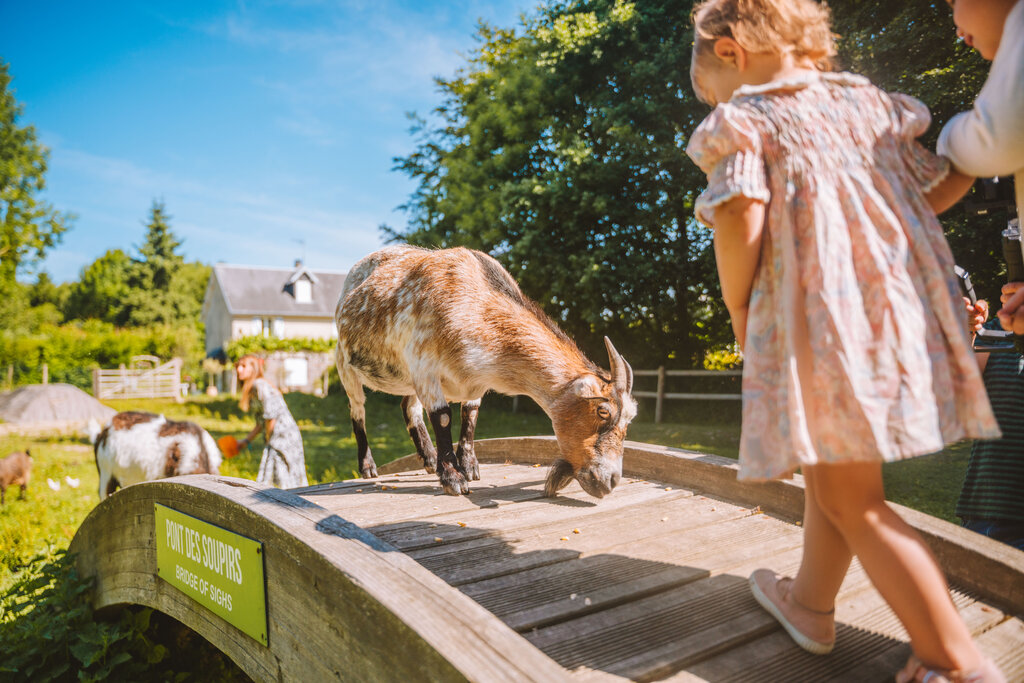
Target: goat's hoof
370, 472
430, 466
473, 472
456, 486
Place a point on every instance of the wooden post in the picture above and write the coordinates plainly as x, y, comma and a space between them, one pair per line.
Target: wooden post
46, 373
515, 403
10, 377
96, 383
660, 400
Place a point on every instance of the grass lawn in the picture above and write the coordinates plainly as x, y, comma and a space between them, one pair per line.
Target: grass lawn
47, 519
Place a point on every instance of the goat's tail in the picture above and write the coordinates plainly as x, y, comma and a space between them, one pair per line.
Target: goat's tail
93, 429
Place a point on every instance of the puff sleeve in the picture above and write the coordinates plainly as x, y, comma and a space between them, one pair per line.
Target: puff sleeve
727, 147
912, 119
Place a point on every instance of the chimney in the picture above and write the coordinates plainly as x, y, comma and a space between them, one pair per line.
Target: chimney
298, 263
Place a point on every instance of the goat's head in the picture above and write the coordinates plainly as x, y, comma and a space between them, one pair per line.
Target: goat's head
590, 420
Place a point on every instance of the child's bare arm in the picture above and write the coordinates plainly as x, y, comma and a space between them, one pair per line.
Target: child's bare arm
949, 191
738, 227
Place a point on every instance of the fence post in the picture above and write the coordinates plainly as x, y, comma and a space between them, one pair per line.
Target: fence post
10, 377
46, 373
96, 383
660, 401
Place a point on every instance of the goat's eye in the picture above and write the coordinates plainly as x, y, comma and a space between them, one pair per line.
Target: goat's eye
603, 413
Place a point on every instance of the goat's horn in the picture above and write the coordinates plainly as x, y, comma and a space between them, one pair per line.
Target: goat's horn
622, 374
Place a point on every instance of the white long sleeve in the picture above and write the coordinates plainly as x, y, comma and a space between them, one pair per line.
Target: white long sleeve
988, 140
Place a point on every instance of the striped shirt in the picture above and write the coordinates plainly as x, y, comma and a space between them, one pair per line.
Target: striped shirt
994, 485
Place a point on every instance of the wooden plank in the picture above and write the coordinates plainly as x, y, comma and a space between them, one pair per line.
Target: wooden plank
415, 501
871, 645
655, 637
338, 599
521, 549
628, 570
528, 516
994, 570
1005, 645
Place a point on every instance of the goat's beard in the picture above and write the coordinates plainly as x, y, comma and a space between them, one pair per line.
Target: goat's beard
560, 475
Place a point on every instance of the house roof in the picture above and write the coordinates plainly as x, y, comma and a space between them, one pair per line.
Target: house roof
255, 290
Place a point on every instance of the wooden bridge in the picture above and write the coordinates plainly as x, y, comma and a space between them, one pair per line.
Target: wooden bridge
391, 579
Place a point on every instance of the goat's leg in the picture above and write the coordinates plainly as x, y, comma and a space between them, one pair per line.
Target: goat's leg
413, 411
431, 394
466, 454
357, 410
452, 480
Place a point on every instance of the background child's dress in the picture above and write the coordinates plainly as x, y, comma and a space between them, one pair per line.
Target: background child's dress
284, 462
856, 347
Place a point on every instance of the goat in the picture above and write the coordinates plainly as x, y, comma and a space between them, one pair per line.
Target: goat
15, 469
137, 446
449, 325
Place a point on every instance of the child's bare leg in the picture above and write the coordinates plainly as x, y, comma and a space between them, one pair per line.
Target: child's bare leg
826, 557
898, 562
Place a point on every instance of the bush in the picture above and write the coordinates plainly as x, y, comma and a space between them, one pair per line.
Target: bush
49, 633
264, 345
72, 351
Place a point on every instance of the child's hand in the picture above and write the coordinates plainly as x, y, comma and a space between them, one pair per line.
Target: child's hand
977, 314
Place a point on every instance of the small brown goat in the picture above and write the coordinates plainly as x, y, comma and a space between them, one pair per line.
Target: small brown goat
15, 469
449, 325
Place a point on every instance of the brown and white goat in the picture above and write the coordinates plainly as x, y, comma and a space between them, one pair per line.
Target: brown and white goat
449, 325
15, 470
137, 446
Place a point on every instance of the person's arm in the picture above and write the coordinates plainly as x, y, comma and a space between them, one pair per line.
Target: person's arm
1011, 315
739, 224
244, 443
949, 190
988, 140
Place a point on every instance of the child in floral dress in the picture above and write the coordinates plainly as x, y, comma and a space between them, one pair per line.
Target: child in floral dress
842, 295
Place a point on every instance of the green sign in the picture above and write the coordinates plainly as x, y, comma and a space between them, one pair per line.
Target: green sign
215, 567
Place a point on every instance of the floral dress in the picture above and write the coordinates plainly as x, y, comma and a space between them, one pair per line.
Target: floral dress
857, 347
283, 463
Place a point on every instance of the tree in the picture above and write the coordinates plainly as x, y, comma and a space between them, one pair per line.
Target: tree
161, 289
28, 226
101, 290
560, 150
560, 154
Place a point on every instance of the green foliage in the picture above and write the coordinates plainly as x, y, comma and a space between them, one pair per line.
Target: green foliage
264, 345
101, 289
724, 359
911, 47
560, 150
50, 633
561, 153
29, 227
72, 351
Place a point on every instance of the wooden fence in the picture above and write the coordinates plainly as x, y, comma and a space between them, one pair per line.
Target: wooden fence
146, 378
660, 395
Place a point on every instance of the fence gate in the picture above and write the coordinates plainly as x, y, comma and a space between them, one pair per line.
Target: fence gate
145, 378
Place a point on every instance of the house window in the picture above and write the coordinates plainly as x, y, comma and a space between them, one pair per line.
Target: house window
267, 327
303, 291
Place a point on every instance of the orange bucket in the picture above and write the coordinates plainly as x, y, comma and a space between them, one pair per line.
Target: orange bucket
228, 446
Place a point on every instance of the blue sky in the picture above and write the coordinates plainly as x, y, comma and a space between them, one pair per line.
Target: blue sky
267, 128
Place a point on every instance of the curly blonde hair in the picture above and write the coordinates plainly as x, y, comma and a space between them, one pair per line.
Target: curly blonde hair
797, 27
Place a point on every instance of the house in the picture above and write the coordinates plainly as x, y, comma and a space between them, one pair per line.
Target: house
242, 301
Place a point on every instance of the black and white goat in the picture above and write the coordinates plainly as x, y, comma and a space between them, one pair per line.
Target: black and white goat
449, 325
136, 446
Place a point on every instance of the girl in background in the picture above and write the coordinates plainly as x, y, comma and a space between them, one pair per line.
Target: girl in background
283, 463
840, 287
